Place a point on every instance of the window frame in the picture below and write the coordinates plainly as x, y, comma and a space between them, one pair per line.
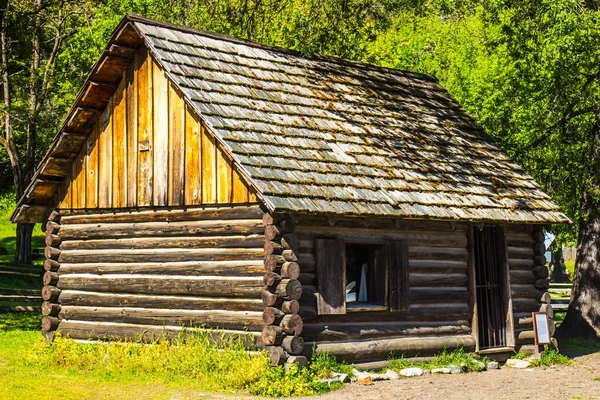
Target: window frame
331, 276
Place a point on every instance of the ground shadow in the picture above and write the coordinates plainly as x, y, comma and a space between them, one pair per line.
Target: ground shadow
21, 321
578, 347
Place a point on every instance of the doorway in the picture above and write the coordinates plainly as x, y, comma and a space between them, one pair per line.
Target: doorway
491, 286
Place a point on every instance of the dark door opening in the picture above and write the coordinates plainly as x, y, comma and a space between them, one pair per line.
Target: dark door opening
490, 285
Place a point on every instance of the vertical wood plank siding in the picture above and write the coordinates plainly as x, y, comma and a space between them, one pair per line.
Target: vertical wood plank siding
149, 149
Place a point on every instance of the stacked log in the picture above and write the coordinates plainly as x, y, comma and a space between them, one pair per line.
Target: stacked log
529, 283
147, 274
50, 293
282, 324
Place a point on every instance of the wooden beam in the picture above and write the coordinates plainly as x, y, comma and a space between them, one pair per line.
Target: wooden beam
59, 167
127, 36
26, 214
110, 69
68, 145
42, 191
127, 52
97, 94
81, 120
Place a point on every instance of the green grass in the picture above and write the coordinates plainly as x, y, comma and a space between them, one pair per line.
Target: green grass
184, 368
559, 316
551, 356
570, 265
456, 357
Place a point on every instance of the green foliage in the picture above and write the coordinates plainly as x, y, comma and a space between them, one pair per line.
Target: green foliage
550, 357
322, 365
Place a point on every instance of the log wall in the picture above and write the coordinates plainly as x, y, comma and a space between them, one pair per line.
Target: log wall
529, 281
440, 307
149, 149
150, 273
438, 313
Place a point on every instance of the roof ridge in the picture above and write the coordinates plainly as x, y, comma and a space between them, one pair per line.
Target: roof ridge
312, 56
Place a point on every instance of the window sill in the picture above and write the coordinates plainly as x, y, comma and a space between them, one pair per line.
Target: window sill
362, 307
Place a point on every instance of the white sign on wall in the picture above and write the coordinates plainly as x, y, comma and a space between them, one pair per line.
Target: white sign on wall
541, 328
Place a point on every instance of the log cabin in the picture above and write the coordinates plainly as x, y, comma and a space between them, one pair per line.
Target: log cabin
301, 203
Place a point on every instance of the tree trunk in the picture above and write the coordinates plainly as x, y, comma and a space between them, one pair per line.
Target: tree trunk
583, 316
559, 270
23, 254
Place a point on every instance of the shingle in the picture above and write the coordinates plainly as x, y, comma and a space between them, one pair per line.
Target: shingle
324, 135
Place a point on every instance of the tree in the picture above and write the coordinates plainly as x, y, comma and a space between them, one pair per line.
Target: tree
528, 71
32, 35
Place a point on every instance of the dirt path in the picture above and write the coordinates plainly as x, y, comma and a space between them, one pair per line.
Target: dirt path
574, 382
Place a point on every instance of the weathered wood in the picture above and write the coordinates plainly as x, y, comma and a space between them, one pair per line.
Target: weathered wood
276, 354
52, 253
153, 255
524, 291
521, 265
308, 279
350, 351
290, 241
131, 143
547, 308
289, 256
193, 171
272, 248
397, 271
50, 293
50, 278
292, 324
30, 214
250, 320
184, 242
105, 150
541, 272
541, 284
289, 289
52, 240
176, 149
50, 309
188, 268
270, 278
538, 235
119, 152
270, 299
49, 323
522, 277
164, 215
241, 287
145, 130
51, 265
160, 104
425, 295
539, 260
544, 297
54, 216
272, 315
320, 332
539, 248
436, 266
331, 276
209, 170
184, 302
224, 177
454, 280
300, 361
272, 233
272, 335
290, 307
293, 344
52, 228
525, 337
146, 333
521, 305
149, 229
290, 270
269, 219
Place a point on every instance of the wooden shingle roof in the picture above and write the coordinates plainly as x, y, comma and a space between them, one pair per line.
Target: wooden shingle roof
325, 135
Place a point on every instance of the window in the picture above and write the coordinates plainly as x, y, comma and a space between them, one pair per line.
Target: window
366, 275
361, 276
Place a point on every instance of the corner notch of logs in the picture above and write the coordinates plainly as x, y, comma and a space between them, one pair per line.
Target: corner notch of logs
283, 325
